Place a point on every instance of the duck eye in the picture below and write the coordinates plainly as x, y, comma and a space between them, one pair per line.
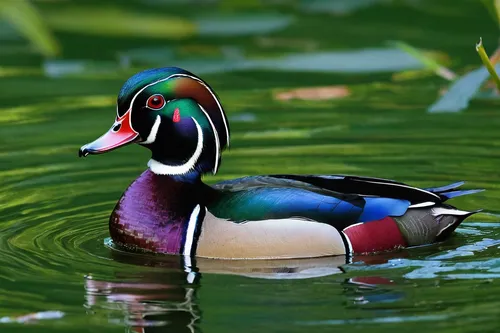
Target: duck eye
155, 102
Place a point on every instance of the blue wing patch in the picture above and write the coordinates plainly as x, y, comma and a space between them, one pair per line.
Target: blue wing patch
378, 208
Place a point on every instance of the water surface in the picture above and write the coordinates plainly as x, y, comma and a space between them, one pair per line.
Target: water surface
54, 207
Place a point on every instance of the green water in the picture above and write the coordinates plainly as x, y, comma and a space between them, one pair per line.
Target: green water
54, 206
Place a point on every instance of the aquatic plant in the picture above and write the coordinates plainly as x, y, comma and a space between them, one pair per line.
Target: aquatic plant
469, 85
27, 20
487, 62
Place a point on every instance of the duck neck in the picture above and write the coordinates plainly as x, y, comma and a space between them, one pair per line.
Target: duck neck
192, 177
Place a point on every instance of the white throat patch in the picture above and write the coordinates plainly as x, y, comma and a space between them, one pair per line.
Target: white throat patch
163, 169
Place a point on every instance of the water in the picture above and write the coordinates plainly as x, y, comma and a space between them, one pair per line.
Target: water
60, 273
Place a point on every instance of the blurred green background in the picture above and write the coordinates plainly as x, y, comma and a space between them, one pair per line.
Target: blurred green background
384, 88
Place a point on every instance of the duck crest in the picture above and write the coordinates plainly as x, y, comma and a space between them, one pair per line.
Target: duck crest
158, 213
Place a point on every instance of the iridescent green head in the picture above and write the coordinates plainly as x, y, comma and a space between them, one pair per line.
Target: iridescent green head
174, 114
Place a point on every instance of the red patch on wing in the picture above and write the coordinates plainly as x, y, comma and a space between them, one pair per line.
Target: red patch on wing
375, 236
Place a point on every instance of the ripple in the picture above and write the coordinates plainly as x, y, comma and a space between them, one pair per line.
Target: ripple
461, 262
391, 320
29, 318
55, 241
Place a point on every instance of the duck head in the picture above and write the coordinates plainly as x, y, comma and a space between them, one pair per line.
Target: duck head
174, 114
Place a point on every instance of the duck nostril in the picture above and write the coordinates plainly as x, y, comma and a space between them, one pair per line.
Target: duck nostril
117, 127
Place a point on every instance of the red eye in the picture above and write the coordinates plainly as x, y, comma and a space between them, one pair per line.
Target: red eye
155, 102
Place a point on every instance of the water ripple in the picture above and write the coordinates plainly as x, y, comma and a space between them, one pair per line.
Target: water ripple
462, 262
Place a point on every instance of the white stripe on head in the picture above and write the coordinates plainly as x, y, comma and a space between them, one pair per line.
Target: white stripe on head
154, 131
197, 80
217, 143
193, 221
216, 100
163, 169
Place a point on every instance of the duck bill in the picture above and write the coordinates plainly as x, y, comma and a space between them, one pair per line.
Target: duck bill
119, 135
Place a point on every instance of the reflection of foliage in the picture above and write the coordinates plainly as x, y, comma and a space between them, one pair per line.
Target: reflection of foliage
27, 20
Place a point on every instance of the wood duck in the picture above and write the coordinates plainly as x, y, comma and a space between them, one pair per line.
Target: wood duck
168, 209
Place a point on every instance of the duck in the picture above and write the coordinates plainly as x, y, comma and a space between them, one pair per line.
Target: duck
170, 210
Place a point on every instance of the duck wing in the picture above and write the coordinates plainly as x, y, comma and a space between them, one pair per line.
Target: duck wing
258, 198
377, 187
338, 200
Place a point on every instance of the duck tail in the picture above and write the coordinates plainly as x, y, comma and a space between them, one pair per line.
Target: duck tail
449, 218
450, 191
425, 226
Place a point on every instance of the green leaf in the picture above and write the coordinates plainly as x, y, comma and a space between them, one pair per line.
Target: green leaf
467, 87
461, 92
426, 60
114, 21
27, 20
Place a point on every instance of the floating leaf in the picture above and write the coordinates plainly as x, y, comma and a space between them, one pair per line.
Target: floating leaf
22, 15
115, 21
237, 25
315, 93
349, 61
461, 91
119, 22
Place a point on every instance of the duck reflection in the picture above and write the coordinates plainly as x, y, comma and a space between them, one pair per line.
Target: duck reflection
164, 297
147, 300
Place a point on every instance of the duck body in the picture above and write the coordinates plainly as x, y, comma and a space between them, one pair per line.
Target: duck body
169, 209
281, 216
